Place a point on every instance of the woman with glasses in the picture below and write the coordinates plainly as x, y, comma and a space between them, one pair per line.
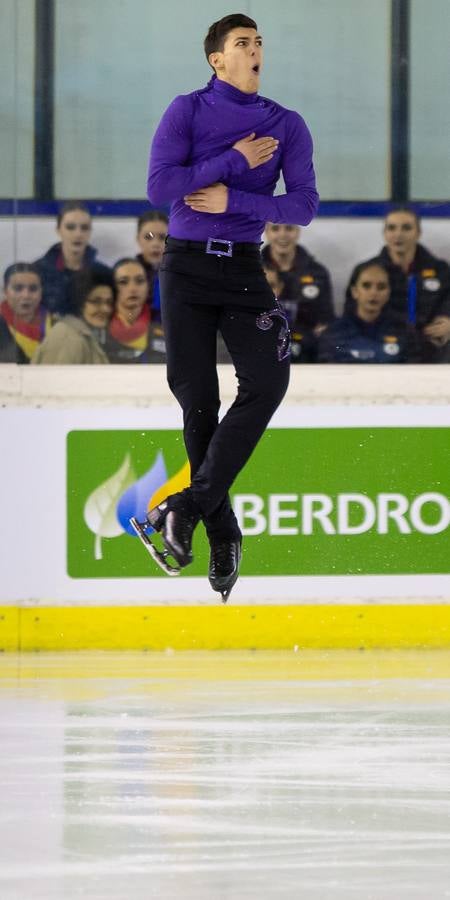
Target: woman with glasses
77, 337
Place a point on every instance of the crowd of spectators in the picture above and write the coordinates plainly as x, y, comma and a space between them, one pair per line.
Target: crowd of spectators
69, 307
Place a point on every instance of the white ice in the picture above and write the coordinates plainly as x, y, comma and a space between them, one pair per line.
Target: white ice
225, 776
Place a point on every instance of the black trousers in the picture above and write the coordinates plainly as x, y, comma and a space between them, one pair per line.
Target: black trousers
201, 296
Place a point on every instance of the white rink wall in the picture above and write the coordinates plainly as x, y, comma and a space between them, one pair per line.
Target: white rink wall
338, 243
41, 405
146, 386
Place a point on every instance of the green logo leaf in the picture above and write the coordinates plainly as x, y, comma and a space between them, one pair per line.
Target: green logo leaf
100, 507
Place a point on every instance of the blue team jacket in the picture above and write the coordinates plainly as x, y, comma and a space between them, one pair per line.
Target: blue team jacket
351, 340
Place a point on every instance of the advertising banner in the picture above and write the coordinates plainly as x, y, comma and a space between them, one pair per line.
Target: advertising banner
337, 504
311, 501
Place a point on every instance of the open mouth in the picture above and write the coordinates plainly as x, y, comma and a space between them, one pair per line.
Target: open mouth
255, 69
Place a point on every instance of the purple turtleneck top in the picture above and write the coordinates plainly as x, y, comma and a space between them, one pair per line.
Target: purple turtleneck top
193, 148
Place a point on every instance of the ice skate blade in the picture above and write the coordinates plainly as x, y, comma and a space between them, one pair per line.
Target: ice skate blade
225, 592
157, 555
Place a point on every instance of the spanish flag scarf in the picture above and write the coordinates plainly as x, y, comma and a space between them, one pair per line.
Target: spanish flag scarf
135, 335
27, 335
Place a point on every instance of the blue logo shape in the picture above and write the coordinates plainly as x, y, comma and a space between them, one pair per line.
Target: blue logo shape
134, 502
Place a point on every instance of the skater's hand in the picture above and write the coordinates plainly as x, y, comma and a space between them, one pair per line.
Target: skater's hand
257, 151
213, 199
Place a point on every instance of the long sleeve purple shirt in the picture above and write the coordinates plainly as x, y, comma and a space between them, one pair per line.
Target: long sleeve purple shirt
193, 148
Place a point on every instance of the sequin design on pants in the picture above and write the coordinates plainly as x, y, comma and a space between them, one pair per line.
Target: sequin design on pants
265, 322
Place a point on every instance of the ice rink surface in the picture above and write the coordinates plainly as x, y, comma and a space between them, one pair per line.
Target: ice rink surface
225, 776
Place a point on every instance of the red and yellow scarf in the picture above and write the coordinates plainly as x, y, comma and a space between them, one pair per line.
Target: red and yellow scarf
27, 335
135, 335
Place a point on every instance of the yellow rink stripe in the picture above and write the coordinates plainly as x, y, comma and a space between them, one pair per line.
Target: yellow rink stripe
224, 627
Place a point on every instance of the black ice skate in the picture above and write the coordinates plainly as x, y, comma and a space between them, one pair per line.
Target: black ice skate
175, 518
224, 565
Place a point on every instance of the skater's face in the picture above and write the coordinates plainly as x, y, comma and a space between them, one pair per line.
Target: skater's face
240, 61
401, 233
151, 239
132, 289
24, 294
74, 232
98, 306
282, 238
371, 292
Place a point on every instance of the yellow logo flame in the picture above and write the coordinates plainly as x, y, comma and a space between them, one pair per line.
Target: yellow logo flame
178, 482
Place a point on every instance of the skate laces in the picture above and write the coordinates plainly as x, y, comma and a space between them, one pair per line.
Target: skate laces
222, 551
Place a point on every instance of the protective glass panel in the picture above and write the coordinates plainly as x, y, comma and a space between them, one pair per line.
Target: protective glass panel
430, 100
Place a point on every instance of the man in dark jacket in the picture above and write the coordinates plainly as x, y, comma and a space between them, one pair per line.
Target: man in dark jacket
306, 294
420, 288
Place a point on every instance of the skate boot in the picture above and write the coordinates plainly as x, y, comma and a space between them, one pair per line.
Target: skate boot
224, 565
175, 519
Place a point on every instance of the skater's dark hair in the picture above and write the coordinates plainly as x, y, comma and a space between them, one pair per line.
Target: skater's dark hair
17, 268
404, 208
218, 31
83, 282
369, 264
71, 206
153, 215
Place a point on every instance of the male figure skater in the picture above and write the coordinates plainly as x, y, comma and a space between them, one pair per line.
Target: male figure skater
216, 157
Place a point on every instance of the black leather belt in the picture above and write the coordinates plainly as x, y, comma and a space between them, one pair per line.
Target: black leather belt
215, 247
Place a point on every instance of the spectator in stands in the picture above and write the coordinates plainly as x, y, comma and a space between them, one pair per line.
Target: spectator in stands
365, 335
77, 337
152, 229
420, 287
306, 293
72, 254
23, 320
132, 336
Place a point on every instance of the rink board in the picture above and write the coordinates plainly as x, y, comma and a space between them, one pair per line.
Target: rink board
225, 628
345, 510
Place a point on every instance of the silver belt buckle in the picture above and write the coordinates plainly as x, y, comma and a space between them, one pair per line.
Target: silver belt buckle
219, 251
